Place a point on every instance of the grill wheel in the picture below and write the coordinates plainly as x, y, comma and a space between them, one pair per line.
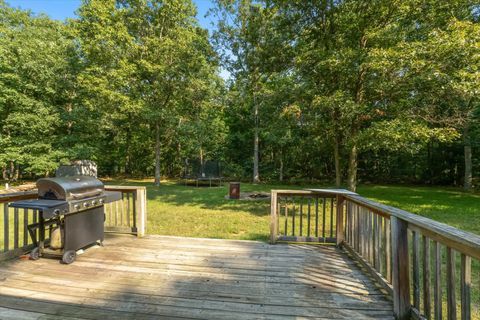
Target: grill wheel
69, 256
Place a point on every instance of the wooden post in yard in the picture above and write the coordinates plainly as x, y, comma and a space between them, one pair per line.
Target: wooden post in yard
141, 210
401, 269
273, 217
340, 214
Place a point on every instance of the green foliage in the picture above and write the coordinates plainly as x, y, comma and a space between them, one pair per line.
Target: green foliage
382, 90
34, 71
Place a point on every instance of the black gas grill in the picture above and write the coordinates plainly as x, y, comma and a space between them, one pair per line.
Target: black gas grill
72, 208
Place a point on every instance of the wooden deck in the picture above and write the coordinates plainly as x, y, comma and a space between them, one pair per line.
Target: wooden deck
183, 278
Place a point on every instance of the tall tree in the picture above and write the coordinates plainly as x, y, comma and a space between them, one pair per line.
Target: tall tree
34, 60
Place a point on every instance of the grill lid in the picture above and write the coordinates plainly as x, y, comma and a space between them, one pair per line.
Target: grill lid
69, 188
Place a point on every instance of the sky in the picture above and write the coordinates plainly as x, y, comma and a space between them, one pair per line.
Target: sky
62, 9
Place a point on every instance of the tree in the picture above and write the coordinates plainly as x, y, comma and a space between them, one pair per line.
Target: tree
243, 38
34, 53
142, 56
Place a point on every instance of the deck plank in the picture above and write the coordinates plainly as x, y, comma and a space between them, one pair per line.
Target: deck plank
184, 278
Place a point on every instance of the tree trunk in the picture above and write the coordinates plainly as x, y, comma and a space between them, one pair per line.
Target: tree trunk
467, 148
336, 154
256, 175
17, 172
202, 163
4, 173
281, 167
12, 171
128, 167
157, 154
352, 168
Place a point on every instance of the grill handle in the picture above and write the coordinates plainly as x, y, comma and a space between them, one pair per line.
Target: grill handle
86, 194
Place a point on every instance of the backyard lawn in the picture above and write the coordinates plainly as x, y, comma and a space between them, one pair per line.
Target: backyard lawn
175, 209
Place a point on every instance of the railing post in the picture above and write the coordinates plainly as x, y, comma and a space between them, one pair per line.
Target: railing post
273, 217
340, 232
141, 210
401, 268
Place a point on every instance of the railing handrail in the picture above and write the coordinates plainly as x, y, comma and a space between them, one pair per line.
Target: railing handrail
460, 240
302, 192
124, 188
18, 195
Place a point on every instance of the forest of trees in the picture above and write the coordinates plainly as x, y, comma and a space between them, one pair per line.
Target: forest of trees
335, 91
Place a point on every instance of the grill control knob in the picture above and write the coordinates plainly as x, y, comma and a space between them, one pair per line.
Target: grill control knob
56, 212
86, 204
76, 207
94, 202
100, 201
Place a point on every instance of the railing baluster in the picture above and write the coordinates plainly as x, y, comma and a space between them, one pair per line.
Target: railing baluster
380, 222
16, 228
465, 288
416, 269
316, 216
375, 241
301, 215
364, 233
128, 210
363, 219
331, 218
358, 228
400, 271
120, 211
116, 213
388, 251
293, 217
437, 285
426, 278
25, 224
6, 231
323, 218
308, 217
370, 236
340, 231
384, 247
286, 216
451, 301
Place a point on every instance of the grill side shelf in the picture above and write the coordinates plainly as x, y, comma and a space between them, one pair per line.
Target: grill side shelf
48, 207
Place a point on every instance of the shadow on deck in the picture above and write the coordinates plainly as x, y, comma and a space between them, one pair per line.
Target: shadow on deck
167, 278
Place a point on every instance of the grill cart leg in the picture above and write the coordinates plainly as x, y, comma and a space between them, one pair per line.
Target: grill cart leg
41, 240
35, 254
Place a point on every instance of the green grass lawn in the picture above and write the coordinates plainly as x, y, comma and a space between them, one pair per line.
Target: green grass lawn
175, 209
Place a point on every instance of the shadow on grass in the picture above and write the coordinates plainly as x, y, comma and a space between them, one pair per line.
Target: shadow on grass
448, 205
206, 197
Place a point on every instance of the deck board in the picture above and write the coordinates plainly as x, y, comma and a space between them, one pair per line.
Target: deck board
183, 278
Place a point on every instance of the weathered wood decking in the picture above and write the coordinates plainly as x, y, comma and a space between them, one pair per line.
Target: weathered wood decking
169, 278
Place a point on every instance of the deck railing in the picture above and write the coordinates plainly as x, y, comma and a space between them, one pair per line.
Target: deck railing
125, 216
304, 216
431, 270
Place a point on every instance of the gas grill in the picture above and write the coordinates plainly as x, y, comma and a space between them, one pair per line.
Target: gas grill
73, 210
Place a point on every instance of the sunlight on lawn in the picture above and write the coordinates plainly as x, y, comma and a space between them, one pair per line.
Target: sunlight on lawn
176, 209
